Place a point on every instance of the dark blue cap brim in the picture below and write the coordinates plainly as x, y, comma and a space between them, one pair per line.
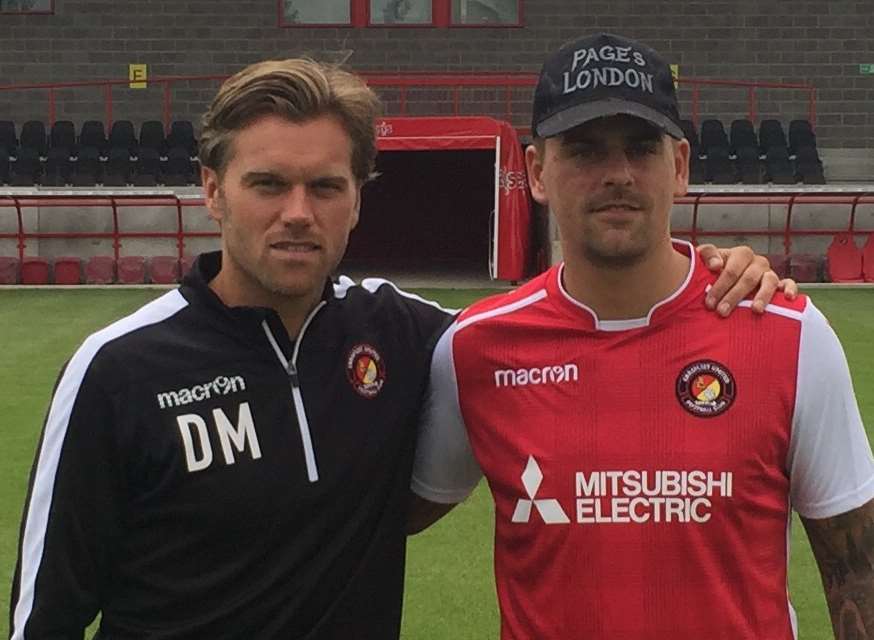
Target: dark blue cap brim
581, 113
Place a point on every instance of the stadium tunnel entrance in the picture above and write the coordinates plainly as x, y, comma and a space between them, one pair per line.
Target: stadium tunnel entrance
450, 204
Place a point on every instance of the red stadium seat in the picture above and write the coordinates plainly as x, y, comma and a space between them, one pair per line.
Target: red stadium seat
131, 270
100, 270
163, 269
868, 259
8, 270
68, 270
185, 264
804, 267
779, 263
844, 259
34, 270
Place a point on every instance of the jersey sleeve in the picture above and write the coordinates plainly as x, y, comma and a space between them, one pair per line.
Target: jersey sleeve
445, 469
71, 515
830, 463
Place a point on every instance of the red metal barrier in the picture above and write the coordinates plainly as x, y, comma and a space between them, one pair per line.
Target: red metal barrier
453, 83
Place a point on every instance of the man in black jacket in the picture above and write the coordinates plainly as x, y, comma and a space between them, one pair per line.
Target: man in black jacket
233, 460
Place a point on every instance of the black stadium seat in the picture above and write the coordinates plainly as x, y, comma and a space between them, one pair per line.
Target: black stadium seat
94, 135
771, 135
182, 135
800, 135
33, 136
148, 168
152, 136
57, 168
778, 166
720, 168
118, 168
8, 139
4, 166
25, 171
88, 171
713, 135
122, 136
742, 134
749, 166
808, 166
178, 170
63, 136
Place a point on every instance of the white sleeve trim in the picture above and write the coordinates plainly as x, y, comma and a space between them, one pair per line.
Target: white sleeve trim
445, 469
831, 468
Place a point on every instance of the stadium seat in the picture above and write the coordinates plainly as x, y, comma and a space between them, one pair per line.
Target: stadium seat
182, 135
100, 270
121, 135
804, 267
720, 168
26, 170
94, 135
148, 168
131, 270
34, 270
4, 166
68, 270
88, 170
185, 264
57, 168
118, 168
712, 135
749, 167
800, 135
868, 259
697, 170
8, 138
771, 135
742, 135
163, 269
33, 135
779, 263
808, 166
152, 136
63, 136
844, 259
177, 171
8, 270
778, 167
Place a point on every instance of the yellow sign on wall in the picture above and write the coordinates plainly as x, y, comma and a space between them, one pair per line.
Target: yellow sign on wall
138, 74
675, 74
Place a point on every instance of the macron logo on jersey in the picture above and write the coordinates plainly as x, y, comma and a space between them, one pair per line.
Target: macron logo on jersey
221, 386
548, 508
550, 374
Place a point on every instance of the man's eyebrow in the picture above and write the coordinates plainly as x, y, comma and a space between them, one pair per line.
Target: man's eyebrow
252, 176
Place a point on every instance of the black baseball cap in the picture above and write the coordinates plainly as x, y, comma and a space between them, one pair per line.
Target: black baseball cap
604, 75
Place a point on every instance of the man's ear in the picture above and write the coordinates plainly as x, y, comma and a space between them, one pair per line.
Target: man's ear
212, 193
682, 154
356, 210
534, 166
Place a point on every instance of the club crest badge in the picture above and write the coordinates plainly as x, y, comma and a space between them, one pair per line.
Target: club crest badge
706, 388
365, 370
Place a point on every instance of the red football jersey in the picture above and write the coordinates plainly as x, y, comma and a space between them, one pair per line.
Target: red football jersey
643, 470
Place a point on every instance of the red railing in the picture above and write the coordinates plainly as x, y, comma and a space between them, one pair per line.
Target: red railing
116, 235
180, 234
454, 83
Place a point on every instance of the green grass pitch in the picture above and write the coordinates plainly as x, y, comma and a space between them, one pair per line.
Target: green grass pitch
450, 588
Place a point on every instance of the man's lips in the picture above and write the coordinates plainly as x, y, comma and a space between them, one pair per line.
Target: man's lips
294, 246
616, 206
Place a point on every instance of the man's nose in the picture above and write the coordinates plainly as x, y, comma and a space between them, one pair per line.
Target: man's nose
617, 169
297, 207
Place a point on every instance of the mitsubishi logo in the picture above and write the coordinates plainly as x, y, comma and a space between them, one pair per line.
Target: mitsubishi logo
549, 508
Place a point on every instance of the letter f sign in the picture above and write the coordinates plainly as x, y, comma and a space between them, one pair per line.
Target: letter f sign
549, 509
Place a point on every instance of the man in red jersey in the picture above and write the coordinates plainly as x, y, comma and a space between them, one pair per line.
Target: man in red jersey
643, 453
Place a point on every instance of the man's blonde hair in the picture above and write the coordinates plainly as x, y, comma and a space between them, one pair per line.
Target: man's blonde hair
297, 89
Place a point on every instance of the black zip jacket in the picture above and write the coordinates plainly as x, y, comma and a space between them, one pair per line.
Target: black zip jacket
201, 475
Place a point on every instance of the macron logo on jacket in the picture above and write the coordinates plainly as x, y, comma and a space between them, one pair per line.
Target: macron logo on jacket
550, 374
221, 386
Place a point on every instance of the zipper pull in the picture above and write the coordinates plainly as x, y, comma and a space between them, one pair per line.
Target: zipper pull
292, 374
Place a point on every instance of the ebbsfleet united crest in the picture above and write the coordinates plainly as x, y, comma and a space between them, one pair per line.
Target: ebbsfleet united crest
366, 370
706, 388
